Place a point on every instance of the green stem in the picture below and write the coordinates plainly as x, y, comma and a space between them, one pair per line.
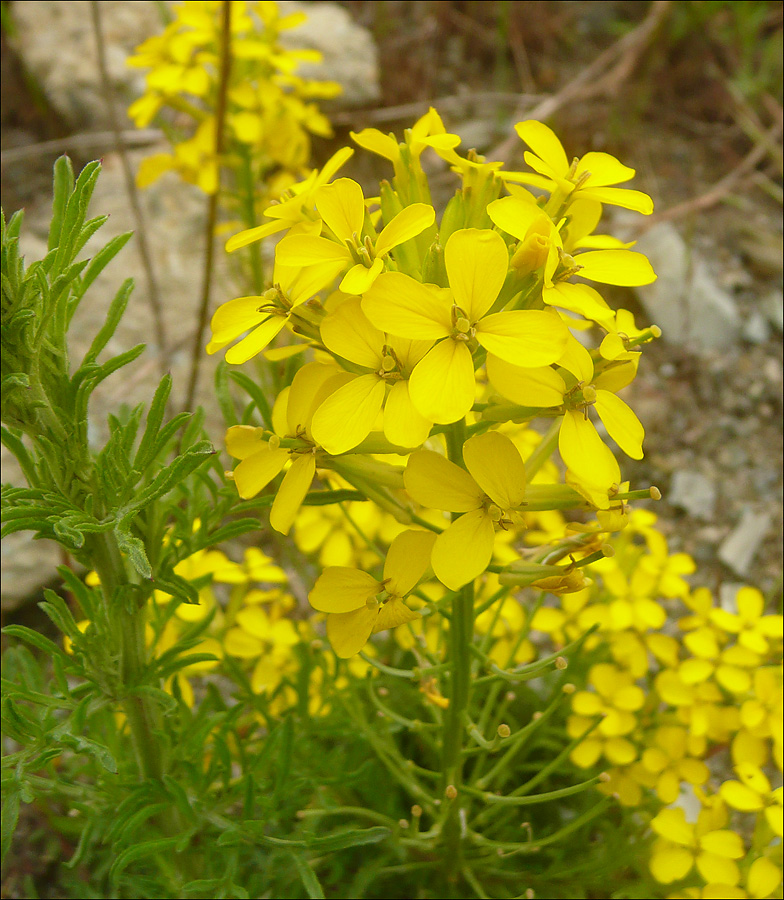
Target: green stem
127, 616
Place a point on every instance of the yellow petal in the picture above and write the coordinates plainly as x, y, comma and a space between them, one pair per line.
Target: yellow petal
398, 304
407, 561
308, 250
251, 235
403, 425
621, 423
763, 878
527, 338
715, 868
497, 467
584, 453
476, 262
628, 199
622, 267
244, 440
349, 333
539, 386
514, 215
256, 341
340, 589
442, 385
255, 472
407, 224
291, 493
231, 319
738, 796
377, 142
577, 360
349, 632
346, 417
359, 278
342, 207
438, 483
464, 550
602, 169
393, 613
581, 299
544, 143
670, 864
311, 386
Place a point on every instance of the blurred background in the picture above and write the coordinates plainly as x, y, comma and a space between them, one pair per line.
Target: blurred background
688, 93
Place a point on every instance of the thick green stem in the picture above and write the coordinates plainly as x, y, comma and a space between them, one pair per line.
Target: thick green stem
127, 617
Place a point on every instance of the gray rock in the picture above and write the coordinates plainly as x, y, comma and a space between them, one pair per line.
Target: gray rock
57, 45
756, 329
694, 493
773, 308
686, 301
741, 545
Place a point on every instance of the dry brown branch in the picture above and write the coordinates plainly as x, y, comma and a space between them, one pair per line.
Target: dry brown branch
88, 141
597, 79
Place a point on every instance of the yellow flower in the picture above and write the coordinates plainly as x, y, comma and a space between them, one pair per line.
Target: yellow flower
265, 316
753, 793
347, 416
487, 497
359, 605
685, 845
588, 178
442, 384
341, 206
262, 457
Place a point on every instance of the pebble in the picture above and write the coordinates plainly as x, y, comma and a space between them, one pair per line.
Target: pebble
756, 329
738, 550
686, 301
694, 493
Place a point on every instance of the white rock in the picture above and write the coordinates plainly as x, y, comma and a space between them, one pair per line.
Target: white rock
693, 492
741, 545
57, 44
756, 329
773, 309
686, 301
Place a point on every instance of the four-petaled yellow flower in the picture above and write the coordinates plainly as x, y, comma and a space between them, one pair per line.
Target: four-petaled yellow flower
341, 206
442, 384
359, 605
488, 498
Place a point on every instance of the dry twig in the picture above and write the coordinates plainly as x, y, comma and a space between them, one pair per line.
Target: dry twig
153, 294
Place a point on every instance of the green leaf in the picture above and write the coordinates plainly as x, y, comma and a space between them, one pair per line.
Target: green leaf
113, 316
256, 394
102, 258
139, 851
134, 549
100, 753
308, 877
56, 608
10, 817
63, 187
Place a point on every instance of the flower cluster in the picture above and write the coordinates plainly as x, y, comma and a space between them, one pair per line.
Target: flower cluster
270, 111
421, 328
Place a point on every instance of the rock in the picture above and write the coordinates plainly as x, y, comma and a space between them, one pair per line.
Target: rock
56, 43
756, 329
739, 548
694, 493
686, 301
773, 308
